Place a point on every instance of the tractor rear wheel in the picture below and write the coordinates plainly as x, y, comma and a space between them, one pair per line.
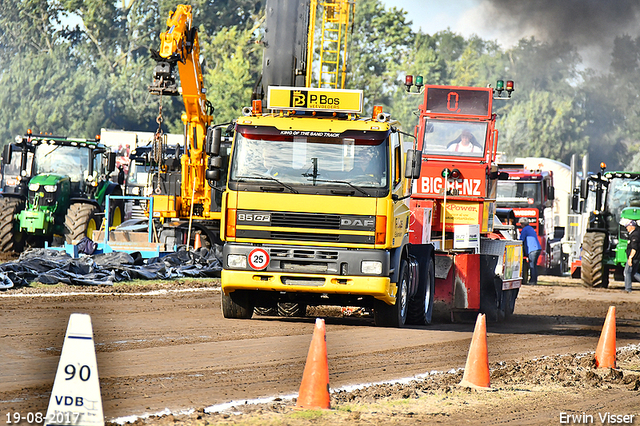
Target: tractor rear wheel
11, 239
594, 269
81, 220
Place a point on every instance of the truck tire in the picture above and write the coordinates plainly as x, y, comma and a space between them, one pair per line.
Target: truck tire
394, 315
594, 270
421, 304
291, 309
270, 311
81, 220
238, 304
11, 239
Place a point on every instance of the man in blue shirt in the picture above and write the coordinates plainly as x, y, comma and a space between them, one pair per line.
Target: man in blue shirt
532, 249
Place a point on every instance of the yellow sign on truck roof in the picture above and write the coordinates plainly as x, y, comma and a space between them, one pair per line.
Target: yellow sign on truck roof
311, 99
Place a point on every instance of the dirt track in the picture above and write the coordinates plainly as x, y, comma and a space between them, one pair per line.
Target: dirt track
173, 349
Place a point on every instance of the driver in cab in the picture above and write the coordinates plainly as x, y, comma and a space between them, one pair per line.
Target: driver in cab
366, 164
466, 142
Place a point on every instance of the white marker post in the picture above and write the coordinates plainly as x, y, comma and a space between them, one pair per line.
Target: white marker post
75, 398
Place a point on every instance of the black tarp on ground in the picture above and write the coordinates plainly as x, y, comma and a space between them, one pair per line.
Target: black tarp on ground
50, 266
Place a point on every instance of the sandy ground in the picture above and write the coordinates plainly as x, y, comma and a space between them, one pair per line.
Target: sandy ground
166, 348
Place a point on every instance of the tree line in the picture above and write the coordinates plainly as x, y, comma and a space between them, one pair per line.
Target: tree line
72, 67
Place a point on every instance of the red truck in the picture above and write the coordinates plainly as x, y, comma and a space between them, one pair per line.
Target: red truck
530, 193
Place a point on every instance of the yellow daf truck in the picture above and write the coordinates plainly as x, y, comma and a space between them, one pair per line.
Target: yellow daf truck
316, 210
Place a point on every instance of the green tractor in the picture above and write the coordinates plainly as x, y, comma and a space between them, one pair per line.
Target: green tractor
65, 198
610, 197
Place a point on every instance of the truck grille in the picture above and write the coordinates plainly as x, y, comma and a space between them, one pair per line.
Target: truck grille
305, 220
259, 224
279, 253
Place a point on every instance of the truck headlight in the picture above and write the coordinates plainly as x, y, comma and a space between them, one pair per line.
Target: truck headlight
51, 188
34, 187
237, 260
371, 267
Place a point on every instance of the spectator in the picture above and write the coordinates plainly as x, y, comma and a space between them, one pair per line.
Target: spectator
633, 254
531, 247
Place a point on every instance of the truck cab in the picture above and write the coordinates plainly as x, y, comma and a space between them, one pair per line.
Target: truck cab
530, 194
454, 204
316, 207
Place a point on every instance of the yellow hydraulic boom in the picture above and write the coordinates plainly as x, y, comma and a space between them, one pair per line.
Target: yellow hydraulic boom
179, 46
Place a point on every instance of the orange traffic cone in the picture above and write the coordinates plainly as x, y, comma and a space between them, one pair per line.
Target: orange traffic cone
314, 389
606, 351
476, 372
198, 242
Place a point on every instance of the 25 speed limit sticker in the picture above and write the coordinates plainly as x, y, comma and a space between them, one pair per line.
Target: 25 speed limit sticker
258, 258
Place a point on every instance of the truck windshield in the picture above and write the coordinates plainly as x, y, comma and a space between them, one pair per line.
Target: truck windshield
446, 137
511, 193
349, 159
64, 160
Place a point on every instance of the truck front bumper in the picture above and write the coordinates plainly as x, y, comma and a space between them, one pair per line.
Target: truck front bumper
378, 287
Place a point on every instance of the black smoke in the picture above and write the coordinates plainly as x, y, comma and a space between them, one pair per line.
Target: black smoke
589, 25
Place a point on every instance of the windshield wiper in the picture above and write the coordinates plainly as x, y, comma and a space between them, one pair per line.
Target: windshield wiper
345, 183
289, 187
51, 152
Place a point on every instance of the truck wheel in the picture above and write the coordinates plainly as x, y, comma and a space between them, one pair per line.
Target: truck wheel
266, 311
290, 309
594, 269
81, 220
421, 305
11, 239
394, 315
237, 304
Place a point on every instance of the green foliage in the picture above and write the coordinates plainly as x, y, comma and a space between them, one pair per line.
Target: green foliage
380, 39
549, 125
231, 74
75, 66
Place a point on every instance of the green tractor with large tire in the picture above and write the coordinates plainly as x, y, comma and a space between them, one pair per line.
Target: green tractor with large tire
610, 197
65, 197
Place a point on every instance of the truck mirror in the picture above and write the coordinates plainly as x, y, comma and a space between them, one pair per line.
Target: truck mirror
6, 154
414, 164
584, 189
214, 137
215, 162
111, 161
552, 193
575, 201
214, 169
213, 174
